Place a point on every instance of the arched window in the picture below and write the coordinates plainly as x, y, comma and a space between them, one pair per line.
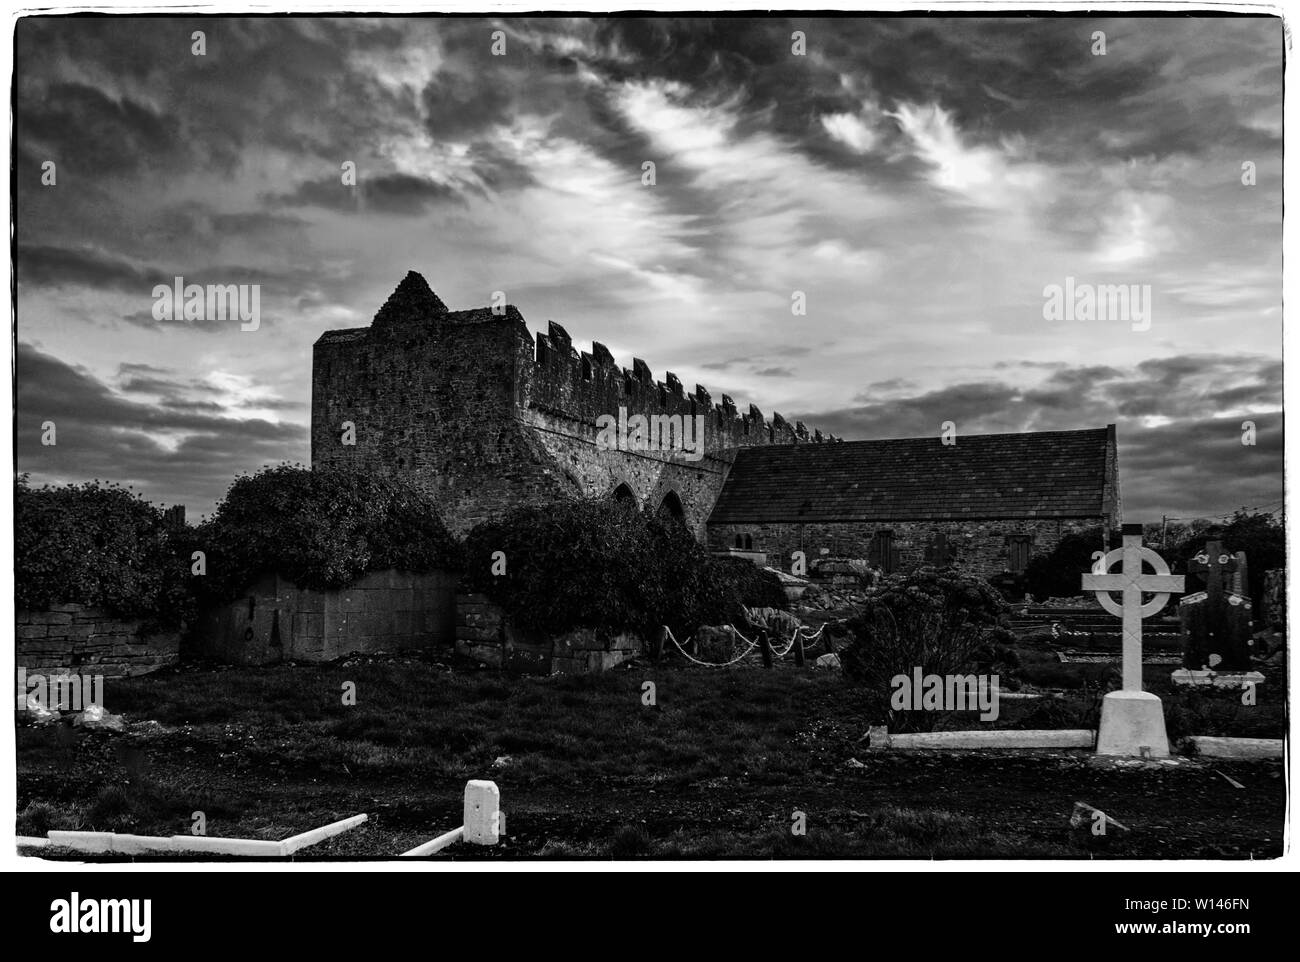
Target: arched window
671, 507
740, 541
749, 543
624, 495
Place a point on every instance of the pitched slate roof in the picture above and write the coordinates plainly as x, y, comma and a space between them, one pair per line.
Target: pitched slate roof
1050, 474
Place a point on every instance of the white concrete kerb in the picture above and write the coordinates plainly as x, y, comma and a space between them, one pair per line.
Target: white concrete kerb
1001, 738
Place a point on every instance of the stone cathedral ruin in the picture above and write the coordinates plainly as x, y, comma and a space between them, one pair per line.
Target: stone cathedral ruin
467, 404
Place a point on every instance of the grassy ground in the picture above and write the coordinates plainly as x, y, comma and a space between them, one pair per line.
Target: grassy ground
717, 767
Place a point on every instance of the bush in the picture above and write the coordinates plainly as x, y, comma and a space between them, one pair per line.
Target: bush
1059, 573
605, 566
320, 529
727, 584
99, 545
942, 621
1059, 714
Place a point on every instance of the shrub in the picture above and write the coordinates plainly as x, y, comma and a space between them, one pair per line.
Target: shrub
1057, 714
1208, 712
939, 620
1059, 573
605, 566
37, 819
99, 545
321, 529
726, 584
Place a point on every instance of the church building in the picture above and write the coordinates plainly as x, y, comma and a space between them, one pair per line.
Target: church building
983, 502
485, 417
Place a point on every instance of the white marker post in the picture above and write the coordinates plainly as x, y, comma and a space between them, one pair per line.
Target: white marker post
482, 812
1132, 719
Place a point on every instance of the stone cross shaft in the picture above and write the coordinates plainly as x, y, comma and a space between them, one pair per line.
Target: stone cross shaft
1131, 583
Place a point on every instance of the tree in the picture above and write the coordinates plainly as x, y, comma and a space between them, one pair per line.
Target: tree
99, 545
603, 565
1059, 573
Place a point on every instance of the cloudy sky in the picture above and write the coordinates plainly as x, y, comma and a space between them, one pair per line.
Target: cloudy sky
921, 181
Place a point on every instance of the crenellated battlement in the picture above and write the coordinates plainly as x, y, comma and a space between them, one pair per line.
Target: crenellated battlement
583, 385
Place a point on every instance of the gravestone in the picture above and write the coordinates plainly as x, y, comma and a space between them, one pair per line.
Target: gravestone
1240, 581
1132, 720
1217, 622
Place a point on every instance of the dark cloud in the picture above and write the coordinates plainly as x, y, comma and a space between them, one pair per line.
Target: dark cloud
457, 105
147, 382
249, 88
725, 365
271, 404
43, 266
763, 364
177, 452
1191, 461
89, 134
144, 318
400, 194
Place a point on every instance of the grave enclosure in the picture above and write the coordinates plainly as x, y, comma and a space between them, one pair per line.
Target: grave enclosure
484, 633
390, 611
274, 620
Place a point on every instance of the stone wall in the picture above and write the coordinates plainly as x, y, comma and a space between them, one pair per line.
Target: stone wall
470, 407
484, 633
650, 476
88, 639
980, 547
480, 629
275, 620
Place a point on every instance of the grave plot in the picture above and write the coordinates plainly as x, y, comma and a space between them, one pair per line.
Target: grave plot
1132, 721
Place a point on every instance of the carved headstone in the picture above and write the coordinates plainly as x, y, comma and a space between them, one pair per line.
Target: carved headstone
1216, 622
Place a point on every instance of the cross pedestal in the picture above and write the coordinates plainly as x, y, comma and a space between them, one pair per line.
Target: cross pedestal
1132, 720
